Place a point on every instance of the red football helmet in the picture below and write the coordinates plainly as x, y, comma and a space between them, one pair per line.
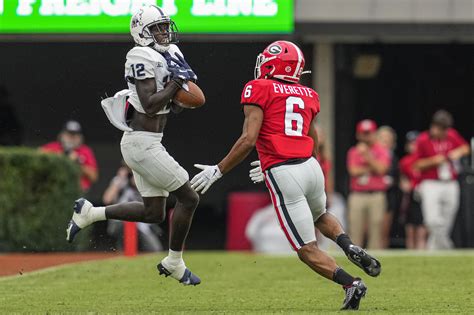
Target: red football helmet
280, 60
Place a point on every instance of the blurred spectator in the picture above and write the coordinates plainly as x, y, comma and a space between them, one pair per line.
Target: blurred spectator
410, 207
388, 138
367, 163
10, 127
439, 150
71, 143
122, 189
265, 233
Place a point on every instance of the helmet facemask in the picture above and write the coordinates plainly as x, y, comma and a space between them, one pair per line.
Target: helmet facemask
163, 33
261, 60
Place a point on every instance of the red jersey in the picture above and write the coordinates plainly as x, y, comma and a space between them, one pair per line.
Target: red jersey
288, 110
85, 157
406, 169
427, 147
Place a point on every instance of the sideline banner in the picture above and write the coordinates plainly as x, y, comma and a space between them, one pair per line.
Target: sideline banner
113, 16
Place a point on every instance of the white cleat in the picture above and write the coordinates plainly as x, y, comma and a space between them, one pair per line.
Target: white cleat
81, 218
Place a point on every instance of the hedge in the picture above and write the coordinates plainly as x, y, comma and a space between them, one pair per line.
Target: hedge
37, 191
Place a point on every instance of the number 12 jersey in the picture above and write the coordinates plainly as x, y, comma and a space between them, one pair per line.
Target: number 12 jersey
288, 110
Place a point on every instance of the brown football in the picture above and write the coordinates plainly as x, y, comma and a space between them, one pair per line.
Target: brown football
189, 96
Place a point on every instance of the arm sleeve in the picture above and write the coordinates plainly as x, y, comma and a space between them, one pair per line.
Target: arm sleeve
140, 64
254, 93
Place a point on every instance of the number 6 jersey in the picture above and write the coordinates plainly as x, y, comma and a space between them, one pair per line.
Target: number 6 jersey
288, 110
144, 63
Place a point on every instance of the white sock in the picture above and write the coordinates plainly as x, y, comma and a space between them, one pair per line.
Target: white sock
173, 259
98, 213
175, 264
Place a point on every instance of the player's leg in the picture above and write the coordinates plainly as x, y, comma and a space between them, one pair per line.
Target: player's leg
173, 264
287, 186
331, 227
326, 266
151, 210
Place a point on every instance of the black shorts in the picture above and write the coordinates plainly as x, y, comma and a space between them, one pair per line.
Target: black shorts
414, 215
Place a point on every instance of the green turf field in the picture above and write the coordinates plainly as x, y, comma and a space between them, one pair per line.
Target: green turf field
242, 283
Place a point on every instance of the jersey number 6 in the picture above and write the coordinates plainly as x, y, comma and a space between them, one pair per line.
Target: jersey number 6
291, 116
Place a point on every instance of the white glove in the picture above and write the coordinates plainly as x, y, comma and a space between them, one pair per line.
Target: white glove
256, 174
207, 177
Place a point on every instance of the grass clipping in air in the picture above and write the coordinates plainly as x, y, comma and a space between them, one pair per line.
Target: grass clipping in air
243, 283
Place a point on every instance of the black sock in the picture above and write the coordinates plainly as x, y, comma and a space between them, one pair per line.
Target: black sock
342, 277
343, 240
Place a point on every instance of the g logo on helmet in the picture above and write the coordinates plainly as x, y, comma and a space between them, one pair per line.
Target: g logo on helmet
275, 49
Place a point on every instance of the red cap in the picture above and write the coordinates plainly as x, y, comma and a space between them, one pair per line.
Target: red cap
366, 125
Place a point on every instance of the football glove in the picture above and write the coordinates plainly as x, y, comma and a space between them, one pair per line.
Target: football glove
181, 64
256, 174
203, 180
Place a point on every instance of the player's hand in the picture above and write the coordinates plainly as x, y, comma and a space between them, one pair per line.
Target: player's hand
176, 68
178, 72
182, 62
179, 61
256, 174
203, 180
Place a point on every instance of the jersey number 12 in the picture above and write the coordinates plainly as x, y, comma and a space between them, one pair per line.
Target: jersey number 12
138, 70
291, 116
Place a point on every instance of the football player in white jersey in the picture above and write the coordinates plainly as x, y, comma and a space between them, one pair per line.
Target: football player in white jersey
155, 70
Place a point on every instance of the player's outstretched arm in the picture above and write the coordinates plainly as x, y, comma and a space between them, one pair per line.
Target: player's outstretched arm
241, 149
153, 101
245, 144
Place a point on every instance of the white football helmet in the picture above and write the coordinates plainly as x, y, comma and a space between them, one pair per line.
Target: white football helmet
151, 26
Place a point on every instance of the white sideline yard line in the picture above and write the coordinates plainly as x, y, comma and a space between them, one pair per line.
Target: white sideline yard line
53, 268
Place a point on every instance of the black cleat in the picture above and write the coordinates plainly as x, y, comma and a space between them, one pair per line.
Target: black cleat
354, 293
364, 261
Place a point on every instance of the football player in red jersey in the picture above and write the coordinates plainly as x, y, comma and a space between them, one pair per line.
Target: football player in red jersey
280, 120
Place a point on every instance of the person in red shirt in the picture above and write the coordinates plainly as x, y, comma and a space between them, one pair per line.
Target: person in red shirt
438, 152
367, 163
71, 143
410, 207
280, 117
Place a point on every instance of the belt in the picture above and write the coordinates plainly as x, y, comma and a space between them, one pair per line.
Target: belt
289, 162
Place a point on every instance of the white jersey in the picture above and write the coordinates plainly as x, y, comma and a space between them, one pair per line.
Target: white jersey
144, 63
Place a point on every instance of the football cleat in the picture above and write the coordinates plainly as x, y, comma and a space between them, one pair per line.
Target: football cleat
187, 279
354, 293
364, 261
80, 218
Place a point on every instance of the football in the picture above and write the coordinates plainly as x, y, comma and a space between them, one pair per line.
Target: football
189, 96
